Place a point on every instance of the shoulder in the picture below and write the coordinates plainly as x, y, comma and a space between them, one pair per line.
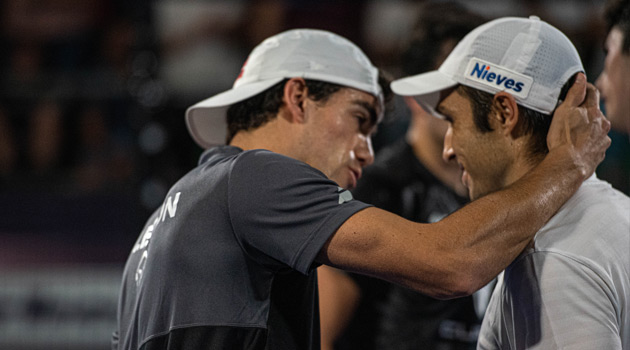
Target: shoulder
557, 277
595, 218
265, 161
587, 240
541, 291
235, 156
596, 196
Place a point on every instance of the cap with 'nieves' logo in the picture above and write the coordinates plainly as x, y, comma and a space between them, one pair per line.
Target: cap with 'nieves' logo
526, 57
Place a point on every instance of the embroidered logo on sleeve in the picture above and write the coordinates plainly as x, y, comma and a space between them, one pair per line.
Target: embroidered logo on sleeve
344, 195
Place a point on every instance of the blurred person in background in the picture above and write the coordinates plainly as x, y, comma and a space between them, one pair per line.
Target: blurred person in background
614, 84
614, 81
423, 188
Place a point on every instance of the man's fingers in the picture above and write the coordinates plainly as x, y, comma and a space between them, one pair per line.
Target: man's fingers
575, 95
578, 121
605, 123
594, 114
592, 96
601, 132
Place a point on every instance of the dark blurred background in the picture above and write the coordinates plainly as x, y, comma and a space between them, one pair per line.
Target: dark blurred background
92, 132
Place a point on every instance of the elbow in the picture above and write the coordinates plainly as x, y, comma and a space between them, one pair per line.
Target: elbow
457, 284
440, 284
453, 289
462, 275
460, 286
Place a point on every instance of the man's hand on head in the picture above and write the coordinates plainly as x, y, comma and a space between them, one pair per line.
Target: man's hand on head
579, 127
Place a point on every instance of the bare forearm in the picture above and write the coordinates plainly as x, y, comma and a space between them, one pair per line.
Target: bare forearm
463, 252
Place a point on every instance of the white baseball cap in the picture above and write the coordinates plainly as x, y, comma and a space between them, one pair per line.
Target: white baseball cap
306, 53
526, 57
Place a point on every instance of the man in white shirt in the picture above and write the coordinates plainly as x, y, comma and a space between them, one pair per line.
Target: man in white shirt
570, 287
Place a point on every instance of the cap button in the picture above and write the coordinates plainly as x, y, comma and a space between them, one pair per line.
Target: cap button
535, 18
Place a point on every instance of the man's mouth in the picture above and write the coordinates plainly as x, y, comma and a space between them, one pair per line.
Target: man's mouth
355, 175
465, 176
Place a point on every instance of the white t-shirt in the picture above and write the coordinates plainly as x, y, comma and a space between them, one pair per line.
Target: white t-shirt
571, 288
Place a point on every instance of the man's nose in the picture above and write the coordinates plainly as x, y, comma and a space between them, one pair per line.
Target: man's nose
364, 151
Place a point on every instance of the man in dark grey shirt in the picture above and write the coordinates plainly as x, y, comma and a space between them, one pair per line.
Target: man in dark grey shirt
227, 266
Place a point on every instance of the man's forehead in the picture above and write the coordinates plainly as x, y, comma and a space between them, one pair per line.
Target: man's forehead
364, 96
442, 107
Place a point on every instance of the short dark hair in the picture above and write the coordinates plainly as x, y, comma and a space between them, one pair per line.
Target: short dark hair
255, 111
432, 29
617, 14
532, 122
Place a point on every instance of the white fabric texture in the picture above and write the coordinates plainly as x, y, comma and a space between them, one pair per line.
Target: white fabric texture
571, 288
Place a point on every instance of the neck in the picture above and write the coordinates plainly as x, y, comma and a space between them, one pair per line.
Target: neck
271, 136
523, 163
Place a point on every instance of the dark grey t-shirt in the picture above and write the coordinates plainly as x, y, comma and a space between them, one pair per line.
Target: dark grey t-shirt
227, 261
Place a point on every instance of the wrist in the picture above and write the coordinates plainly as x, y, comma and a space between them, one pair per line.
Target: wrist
565, 162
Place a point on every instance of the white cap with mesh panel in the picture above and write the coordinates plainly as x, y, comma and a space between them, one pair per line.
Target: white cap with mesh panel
526, 57
306, 53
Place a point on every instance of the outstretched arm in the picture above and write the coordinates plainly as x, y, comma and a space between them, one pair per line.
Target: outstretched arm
463, 252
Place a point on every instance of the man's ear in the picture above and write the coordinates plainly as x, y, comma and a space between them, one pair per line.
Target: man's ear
295, 95
506, 113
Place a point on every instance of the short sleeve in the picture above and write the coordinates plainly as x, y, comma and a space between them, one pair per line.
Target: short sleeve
551, 301
283, 211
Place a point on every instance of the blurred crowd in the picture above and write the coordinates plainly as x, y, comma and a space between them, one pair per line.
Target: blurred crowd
93, 95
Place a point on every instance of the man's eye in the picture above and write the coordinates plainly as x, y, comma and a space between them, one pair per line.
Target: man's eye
364, 123
361, 118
